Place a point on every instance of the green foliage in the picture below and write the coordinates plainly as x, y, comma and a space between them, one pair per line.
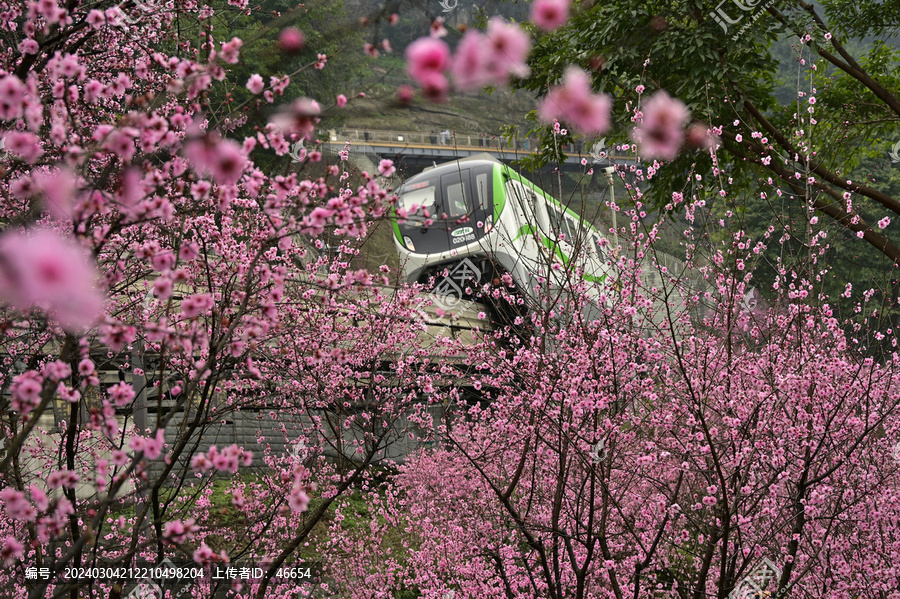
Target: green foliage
761, 68
328, 30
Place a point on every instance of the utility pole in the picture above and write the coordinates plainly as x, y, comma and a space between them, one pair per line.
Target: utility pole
608, 171
139, 383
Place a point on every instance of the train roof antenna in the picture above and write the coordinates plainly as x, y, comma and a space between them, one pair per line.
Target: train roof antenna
434, 163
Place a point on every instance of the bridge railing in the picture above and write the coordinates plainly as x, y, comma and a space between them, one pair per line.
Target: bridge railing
436, 138
461, 141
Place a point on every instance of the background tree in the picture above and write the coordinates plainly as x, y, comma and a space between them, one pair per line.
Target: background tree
730, 79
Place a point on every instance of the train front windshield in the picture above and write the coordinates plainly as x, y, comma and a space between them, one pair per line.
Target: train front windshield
446, 208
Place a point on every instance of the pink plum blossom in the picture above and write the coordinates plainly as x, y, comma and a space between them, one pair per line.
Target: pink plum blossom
196, 304
16, 505
116, 336
435, 87
700, 136
291, 40
224, 159
300, 117
122, 394
178, 531
549, 14
230, 50
386, 167
255, 84
38, 268
425, 58
204, 555
12, 97
574, 103
405, 94
437, 29
25, 145
26, 392
10, 551
490, 58
661, 131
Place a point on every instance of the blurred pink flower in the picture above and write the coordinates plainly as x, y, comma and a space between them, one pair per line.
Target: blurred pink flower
25, 145
490, 58
10, 551
405, 94
12, 97
426, 57
469, 62
300, 118
291, 40
509, 47
661, 131
700, 136
16, 505
549, 14
196, 304
574, 103
230, 50
59, 189
41, 269
298, 500
341, 100
224, 159
255, 84
435, 87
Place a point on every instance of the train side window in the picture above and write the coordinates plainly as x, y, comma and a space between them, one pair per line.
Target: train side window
520, 196
571, 230
482, 181
555, 224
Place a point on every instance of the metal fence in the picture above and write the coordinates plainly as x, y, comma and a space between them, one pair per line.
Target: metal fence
440, 138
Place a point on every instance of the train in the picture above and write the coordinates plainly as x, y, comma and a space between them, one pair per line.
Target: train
467, 223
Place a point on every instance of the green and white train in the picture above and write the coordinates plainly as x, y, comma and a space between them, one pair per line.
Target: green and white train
472, 220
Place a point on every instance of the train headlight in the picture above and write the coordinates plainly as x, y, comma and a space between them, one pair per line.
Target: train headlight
488, 224
409, 243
